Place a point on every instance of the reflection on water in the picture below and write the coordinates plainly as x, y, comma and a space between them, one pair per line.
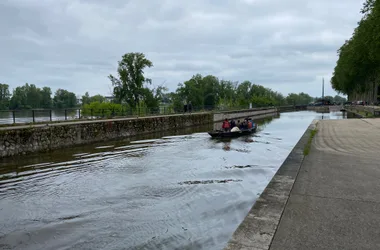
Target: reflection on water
179, 190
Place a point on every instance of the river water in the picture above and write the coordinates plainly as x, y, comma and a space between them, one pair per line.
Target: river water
163, 191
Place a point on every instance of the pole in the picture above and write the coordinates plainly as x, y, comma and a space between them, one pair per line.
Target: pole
323, 95
323, 88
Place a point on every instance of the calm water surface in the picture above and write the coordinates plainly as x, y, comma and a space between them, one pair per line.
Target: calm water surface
167, 192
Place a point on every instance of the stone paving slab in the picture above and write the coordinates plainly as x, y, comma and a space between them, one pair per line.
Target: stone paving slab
329, 199
335, 201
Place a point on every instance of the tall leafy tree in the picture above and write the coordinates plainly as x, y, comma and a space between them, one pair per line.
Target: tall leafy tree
357, 71
46, 101
129, 84
64, 99
86, 98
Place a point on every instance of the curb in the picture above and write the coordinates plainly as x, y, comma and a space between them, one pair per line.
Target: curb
258, 228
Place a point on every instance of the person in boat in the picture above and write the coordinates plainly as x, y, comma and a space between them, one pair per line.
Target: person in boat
226, 125
249, 124
232, 123
242, 125
253, 124
245, 124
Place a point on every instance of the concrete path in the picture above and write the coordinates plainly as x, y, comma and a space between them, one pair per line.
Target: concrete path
335, 200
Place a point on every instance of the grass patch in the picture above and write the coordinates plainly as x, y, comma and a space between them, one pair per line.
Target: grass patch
306, 150
366, 114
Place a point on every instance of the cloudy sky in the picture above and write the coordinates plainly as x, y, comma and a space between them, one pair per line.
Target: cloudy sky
287, 45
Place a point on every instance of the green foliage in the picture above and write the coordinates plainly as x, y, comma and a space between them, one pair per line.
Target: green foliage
357, 69
103, 109
4, 96
209, 92
306, 150
64, 99
87, 99
129, 85
29, 96
299, 99
339, 99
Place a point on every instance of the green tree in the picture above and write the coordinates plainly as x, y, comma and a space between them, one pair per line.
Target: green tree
357, 69
244, 94
129, 85
97, 98
46, 100
299, 99
329, 98
339, 99
64, 99
26, 97
86, 99
4, 96
209, 91
33, 96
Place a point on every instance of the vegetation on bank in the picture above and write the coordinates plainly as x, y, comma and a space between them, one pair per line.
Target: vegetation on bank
306, 150
358, 67
133, 94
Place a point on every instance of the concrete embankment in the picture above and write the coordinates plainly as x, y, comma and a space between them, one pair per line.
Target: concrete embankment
15, 140
220, 116
328, 199
364, 111
259, 226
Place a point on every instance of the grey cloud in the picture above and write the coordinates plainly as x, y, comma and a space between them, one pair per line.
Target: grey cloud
75, 44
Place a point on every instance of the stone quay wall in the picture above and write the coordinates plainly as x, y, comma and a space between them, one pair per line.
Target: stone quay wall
220, 116
45, 137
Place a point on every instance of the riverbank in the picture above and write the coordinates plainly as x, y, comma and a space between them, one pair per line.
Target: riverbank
364, 111
328, 199
16, 140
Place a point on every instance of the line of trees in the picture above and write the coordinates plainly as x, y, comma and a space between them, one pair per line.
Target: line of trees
29, 96
132, 87
358, 67
133, 90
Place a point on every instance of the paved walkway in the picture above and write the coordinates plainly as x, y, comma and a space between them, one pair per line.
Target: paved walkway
335, 200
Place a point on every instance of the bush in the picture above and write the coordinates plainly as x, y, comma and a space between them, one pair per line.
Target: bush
104, 109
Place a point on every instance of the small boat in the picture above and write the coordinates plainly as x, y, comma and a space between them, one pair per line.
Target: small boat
224, 134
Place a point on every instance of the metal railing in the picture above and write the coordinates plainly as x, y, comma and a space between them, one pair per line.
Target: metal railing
55, 115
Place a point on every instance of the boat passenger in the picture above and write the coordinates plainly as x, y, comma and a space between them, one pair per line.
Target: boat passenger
232, 123
226, 125
249, 124
244, 125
